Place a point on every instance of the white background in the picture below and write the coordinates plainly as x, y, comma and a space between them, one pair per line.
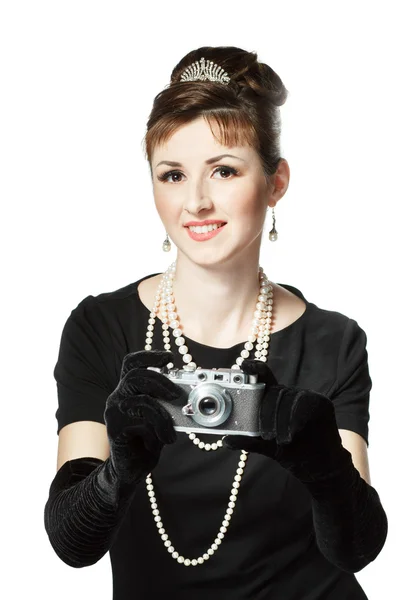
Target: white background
78, 79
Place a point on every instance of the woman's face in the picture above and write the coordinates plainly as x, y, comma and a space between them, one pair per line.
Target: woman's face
232, 189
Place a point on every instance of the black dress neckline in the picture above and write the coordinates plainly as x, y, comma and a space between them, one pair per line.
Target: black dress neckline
276, 334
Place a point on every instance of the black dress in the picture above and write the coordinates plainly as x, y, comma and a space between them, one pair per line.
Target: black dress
269, 551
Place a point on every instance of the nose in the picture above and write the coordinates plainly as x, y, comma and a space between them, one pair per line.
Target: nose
197, 198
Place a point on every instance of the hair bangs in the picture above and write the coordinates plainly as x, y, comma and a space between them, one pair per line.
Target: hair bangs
230, 127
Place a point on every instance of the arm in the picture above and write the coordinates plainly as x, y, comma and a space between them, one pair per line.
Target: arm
88, 497
84, 509
357, 446
299, 431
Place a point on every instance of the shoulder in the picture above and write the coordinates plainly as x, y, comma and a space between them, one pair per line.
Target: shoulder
97, 303
316, 318
325, 330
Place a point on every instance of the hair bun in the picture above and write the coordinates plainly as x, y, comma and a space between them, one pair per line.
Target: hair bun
260, 79
245, 108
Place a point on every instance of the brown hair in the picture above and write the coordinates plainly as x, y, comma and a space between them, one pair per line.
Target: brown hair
246, 110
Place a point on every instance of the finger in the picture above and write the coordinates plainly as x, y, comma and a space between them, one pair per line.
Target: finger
149, 382
293, 412
154, 416
268, 411
141, 440
311, 406
145, 358
260, 368
163, 425
114, 418
142, 434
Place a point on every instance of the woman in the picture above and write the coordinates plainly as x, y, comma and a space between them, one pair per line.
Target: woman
285, 513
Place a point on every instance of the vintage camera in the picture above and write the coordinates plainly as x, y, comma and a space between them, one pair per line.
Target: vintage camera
216, 401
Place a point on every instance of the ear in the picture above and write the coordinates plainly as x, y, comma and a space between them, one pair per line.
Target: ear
279, 182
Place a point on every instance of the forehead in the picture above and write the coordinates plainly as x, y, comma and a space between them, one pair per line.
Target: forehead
196, 141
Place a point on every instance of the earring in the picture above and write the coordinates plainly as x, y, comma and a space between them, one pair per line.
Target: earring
273, 234
166, 244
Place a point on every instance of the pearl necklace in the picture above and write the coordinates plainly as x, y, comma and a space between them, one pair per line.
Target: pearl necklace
260, 331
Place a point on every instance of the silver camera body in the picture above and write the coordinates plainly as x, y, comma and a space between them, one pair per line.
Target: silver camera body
215, 401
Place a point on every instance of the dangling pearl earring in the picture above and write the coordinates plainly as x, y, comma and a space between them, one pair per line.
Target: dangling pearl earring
273, 234
166, 244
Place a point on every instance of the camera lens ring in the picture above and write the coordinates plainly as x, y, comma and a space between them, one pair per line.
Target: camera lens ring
222, 399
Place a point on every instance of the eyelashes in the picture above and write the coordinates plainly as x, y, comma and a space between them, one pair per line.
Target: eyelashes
165, 176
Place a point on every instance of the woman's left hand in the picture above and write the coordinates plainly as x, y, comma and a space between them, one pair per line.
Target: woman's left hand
299, 431
298, 428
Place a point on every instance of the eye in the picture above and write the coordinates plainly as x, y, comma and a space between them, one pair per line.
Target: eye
229, 170
164, 177
167, 175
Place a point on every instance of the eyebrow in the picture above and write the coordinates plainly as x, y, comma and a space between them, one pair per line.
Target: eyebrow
210, 161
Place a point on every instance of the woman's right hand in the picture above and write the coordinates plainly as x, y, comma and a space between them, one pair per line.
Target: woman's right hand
137, 424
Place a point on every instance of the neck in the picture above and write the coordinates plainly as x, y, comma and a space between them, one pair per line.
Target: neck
216, 303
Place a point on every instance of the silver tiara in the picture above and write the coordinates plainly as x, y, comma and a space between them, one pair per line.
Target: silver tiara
205, 70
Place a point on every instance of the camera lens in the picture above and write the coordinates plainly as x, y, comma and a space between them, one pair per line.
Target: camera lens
211, 404
207, 406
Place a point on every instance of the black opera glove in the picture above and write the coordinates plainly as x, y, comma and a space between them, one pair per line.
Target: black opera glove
298, 428
299, 431
138, 426
89, 497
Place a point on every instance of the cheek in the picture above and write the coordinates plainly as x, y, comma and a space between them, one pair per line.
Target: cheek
248, 205
165, 204
249, 212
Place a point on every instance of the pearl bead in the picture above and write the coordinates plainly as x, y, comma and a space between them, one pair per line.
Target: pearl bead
164, 306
